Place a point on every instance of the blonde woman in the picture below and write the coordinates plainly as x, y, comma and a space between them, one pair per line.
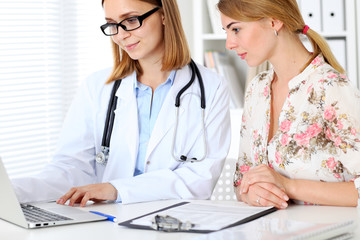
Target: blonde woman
300, 134
143, 158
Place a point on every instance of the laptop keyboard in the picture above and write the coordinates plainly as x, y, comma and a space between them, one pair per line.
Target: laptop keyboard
35, 214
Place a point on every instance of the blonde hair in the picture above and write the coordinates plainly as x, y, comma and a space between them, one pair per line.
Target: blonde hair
177, 53
287, 11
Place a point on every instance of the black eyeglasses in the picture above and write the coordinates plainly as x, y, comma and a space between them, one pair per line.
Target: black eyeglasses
128, 24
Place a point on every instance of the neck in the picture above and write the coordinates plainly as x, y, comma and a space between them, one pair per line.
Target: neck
152, 75
290, 59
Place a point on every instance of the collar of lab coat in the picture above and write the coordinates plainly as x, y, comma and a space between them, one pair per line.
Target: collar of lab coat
167, 115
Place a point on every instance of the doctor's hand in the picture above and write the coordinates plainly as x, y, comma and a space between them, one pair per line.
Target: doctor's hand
95, 192
263, 195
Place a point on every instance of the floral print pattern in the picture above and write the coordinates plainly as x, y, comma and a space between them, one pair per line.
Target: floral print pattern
318, 137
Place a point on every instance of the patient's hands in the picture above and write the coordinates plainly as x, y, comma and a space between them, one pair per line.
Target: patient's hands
95, 192
262, 186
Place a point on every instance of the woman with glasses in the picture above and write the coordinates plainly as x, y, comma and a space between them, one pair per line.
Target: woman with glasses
142, 160
300, 137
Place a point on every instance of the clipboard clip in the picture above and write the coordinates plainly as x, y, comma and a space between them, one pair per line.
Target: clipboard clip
170, 224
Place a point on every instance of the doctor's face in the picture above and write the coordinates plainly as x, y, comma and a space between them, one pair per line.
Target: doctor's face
253, 41
143, 43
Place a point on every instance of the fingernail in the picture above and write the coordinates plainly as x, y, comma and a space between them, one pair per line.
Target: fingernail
286, 198
284, 205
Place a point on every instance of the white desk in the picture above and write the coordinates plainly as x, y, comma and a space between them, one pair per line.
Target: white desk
108, 230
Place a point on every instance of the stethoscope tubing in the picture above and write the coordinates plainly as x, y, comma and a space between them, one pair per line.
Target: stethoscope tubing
103, 155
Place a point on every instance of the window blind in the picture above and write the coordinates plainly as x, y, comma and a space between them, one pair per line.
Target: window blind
46, 48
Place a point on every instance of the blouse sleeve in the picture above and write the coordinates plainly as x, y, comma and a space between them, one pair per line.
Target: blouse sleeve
341, 122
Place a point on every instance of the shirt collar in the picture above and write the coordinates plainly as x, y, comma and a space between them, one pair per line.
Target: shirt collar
170, 79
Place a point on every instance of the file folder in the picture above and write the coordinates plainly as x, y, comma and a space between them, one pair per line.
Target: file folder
204, 215
338, 48
311, 12
333, 15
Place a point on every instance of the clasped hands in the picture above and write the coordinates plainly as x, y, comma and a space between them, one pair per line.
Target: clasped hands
262, 186
94, 192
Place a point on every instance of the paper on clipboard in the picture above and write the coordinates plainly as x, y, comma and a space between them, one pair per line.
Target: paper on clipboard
208, 216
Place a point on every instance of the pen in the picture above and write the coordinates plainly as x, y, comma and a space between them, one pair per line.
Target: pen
109, 217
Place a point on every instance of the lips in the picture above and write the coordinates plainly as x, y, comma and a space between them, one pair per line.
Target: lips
242, 55
130, 47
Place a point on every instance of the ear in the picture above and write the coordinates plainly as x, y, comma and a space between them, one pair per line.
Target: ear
276, 24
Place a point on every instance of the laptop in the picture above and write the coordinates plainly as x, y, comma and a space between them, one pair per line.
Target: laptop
37, 214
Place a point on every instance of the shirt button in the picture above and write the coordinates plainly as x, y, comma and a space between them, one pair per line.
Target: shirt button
148, 162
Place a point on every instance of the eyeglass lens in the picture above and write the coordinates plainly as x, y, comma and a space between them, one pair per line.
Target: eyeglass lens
127, 24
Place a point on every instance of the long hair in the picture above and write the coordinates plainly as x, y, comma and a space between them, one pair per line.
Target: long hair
287, 11
177, 53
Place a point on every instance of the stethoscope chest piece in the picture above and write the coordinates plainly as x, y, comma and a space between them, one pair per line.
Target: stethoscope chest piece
102, 156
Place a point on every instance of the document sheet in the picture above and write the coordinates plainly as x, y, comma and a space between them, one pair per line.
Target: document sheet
206, 216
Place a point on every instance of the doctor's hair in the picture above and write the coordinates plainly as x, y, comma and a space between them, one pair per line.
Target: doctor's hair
287, 11
176, 52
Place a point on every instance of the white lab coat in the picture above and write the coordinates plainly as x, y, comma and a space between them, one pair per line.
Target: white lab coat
164, 178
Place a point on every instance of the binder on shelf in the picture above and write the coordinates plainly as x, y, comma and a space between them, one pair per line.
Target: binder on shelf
214, 16
333, 15
311, 12
338, 48
220, 62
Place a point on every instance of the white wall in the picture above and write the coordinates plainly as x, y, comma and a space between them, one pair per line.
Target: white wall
185, 7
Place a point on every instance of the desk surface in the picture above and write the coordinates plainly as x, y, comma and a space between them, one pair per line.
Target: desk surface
109, 230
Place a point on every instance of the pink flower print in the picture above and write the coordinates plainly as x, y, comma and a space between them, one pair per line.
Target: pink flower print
332, 75
266, 91
342, 76
321, 80
244, 168
313, 130
285, 139
243, 119
336, 175
271, 166
256, 135
331, 163
309, 88
316, 60
256, 157
329, 113
340, 125
353, 131
328, 133
278, 159
301, 139
267, 127
337, 141
285, 125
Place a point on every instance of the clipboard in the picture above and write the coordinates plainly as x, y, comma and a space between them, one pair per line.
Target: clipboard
241, 220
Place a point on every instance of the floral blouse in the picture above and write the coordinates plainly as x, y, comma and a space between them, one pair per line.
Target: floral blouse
318, 136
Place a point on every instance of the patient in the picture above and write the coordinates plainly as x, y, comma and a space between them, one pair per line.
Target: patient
300, 131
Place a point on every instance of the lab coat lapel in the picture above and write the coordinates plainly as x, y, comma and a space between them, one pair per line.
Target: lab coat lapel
126, 115
167, 115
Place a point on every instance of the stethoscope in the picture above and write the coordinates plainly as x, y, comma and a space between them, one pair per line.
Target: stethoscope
103, 155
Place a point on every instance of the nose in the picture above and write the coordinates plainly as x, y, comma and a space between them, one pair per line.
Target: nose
122, 34
230, 43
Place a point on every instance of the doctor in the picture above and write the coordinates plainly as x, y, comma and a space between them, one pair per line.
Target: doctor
152, 58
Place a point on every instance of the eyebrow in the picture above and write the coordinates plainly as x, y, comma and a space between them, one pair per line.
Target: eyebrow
229, 25
124, 16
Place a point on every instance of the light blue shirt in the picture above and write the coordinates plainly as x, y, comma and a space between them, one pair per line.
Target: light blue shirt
149, 106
